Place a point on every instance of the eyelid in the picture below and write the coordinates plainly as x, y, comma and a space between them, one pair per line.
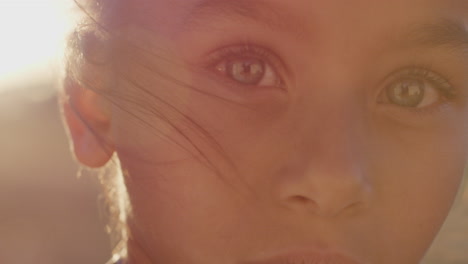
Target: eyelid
449, 94
247, 49
426, 73
442, 84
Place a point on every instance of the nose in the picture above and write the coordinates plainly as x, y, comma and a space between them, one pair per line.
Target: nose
327, 190
328, 176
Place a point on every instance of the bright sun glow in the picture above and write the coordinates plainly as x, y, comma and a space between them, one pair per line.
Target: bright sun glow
31, 37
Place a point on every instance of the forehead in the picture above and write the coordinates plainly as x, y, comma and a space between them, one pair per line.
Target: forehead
170, 15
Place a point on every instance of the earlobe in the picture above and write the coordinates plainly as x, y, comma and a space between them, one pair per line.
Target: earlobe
88, 123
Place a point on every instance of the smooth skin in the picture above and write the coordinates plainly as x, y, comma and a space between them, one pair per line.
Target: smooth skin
328, 151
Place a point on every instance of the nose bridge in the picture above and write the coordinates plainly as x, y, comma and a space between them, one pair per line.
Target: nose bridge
337, 167
335, 175
337, 135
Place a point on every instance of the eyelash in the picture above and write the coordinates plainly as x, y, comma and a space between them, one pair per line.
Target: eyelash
246, 50
442, 84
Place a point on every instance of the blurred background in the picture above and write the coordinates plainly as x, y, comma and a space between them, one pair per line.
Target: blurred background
47, 213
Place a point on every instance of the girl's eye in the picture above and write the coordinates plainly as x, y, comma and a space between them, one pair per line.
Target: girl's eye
247, 65
411, 93
416, 88
249, 71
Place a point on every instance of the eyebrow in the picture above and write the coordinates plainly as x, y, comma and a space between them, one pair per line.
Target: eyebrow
447, 33
259, 12
443, 33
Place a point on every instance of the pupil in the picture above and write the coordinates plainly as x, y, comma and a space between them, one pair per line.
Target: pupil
407, 93
248, 71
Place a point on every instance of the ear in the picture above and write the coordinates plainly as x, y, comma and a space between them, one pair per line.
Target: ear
87, 116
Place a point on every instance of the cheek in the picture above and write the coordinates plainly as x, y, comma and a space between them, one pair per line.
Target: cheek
183, 212
172, 206
173, 172
417, 175
429, 158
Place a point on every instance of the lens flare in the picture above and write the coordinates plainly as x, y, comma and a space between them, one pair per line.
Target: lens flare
32, 37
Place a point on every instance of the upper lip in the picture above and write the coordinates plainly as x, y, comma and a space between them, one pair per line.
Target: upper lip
306, 257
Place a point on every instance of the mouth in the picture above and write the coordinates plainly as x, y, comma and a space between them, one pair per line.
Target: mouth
309, 257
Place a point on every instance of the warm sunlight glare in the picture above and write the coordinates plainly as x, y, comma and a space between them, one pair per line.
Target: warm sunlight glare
31, 33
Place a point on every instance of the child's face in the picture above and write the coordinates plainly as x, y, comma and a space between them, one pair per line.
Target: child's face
337, 127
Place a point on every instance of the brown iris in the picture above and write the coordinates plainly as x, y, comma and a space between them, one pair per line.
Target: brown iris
406, 92
246, 71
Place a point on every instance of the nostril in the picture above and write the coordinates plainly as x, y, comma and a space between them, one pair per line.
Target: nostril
303, 201
300, 199
326, 208
327, 190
